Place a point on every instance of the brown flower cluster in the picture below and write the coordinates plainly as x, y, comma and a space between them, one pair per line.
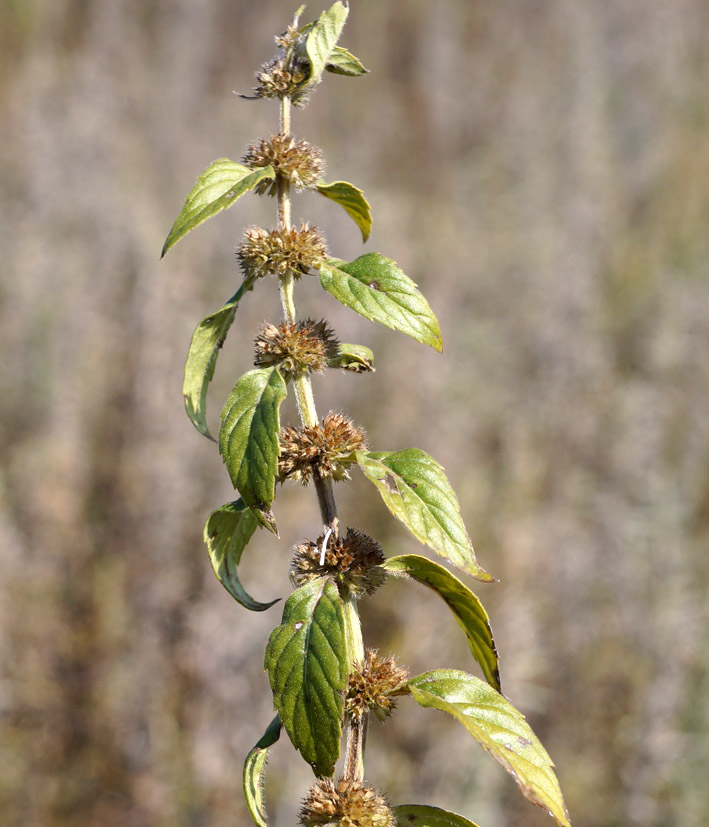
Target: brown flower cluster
354, 560
278, 252
330, 448
374, 685
295, 346
345, 804
298, 162
283, 78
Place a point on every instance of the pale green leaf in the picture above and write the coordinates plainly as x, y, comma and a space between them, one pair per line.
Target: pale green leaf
355, 358
217, 188
377, 289
248, 438
352, 199
499, 728
417, 492
226, 533
207, 340
466, 607
419, 815
322, 38
307, 665
342, 62
254, 771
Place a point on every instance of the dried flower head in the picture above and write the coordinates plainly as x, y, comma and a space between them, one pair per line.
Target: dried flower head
300, 163
374, 685
277, 252
283, 78
345, 804
355, 562
295, 346
330, 448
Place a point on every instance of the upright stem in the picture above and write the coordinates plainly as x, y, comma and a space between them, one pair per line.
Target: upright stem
356, 727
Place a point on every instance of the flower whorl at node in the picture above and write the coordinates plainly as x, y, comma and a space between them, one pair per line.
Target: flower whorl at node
374, 685
354, 561
345, 804
330, 448
306, 345
298, 162
285, 76
278, 252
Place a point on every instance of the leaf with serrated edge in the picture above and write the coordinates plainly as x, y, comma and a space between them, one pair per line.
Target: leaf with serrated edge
322, 38
254, 769
377, 289
354, 358
217, 188
466, 607
419, 815
343, 62
416, 490
248, 437
306, 659
499, 728
352, 199
226, 533
207, 340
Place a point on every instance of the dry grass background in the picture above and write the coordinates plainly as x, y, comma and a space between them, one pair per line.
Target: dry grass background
542, 170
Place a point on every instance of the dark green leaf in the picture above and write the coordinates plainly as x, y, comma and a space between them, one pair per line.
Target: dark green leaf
417, 492
306, 659
207, 339
355, 358
419, 815
322, 38
499, 728
377, 289
248, 438
226, 533
353, 200
217, 188
467, 609
254, 769
342, 62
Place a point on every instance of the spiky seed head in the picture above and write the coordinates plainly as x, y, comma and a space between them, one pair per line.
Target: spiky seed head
354, 561
374, 685
345, 804
306, 345
330, 448
278, 252
283, 78
300, 163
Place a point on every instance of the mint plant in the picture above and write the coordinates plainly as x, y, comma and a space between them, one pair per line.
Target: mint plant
325, 684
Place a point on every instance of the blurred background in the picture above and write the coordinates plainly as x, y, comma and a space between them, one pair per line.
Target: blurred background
541, 169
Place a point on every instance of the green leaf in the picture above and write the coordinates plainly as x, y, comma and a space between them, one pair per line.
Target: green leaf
254, 769
355, 358
353, 200
466, 607
306, 659
419, 815
207, 340
342, 62
499, 728
322, 38
377, 289
227, 533
248, 438
417, 492
217, 188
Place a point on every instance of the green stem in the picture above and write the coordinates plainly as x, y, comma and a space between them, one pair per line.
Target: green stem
353, 769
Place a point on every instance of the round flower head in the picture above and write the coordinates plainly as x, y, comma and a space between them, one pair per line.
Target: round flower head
328, 448
345, 804
278, 252
354, 561
295, 346
374, 685
300, 163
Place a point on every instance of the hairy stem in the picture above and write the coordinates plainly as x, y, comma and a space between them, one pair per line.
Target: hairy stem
353, 769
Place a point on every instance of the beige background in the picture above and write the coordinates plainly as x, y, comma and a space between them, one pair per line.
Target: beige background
541, 169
